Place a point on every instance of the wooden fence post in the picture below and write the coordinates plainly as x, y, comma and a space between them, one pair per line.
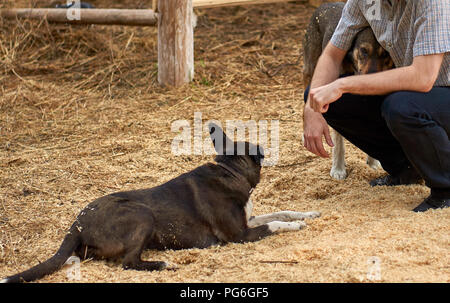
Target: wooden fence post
175, 42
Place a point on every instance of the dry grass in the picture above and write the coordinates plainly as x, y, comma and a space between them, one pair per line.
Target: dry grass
82, 116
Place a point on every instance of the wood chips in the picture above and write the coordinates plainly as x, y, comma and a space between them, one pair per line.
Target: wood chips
82, 115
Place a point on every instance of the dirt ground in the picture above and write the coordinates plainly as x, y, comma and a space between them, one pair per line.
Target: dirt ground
82, 115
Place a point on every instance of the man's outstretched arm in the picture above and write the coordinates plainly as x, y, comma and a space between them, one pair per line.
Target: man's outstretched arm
420, 76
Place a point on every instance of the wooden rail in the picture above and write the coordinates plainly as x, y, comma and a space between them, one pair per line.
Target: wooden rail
219, 3
136, 17
174, 21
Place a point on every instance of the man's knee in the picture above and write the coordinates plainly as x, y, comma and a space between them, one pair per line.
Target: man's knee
397, 109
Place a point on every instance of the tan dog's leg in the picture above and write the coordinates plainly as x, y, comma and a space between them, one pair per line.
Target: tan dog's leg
338, 170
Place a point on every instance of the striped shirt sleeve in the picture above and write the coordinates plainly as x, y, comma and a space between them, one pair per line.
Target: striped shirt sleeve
351, 23
432, 28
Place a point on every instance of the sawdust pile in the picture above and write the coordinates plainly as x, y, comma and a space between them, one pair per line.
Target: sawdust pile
82, 116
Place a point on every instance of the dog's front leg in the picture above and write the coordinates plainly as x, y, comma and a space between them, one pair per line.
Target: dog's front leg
281, 216
261, 231
338, 170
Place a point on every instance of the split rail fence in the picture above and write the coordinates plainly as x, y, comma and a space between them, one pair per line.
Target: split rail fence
174, 19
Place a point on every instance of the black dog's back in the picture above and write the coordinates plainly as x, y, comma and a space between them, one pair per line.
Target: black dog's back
192, 201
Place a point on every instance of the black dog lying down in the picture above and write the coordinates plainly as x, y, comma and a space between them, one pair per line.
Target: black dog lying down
206, 206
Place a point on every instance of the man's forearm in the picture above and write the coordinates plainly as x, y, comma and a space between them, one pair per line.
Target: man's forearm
381, 83
418, 77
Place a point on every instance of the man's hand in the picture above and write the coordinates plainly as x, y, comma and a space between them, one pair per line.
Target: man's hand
314, 127
322, 96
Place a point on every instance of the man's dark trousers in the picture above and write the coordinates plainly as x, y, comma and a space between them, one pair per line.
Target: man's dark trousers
401, 129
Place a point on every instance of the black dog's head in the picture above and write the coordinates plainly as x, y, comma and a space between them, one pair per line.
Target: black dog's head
246, 157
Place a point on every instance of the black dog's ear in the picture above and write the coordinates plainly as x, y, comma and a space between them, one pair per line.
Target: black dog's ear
220, 140
257, 156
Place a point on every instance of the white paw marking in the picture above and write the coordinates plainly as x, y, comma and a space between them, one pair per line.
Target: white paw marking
4, 281
295, 215
312, 214
169, 266
373, 163
278, 226
338, 174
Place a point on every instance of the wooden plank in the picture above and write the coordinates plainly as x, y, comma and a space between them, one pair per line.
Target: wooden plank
135, 17
220, 3
317, 3
175, 42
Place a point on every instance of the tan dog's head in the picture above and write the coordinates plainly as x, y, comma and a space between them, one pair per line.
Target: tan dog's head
367, 55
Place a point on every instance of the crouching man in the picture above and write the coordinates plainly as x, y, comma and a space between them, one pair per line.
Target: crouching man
401, 116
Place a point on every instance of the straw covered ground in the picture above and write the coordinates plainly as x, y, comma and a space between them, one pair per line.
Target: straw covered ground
82, 115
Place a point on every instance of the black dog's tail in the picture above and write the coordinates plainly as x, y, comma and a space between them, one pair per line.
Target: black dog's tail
69, 244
